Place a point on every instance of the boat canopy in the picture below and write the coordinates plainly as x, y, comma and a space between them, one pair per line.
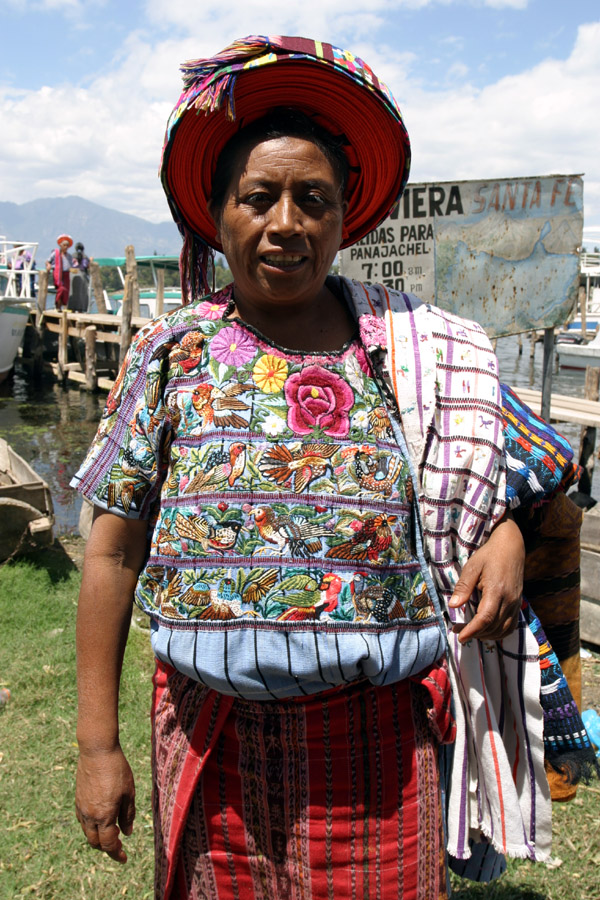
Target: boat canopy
162, 262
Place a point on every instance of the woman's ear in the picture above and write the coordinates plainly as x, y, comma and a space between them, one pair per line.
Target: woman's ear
215, 214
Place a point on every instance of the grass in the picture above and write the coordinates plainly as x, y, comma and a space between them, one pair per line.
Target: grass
42, 851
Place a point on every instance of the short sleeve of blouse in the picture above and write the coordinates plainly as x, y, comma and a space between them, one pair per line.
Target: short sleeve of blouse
124, 467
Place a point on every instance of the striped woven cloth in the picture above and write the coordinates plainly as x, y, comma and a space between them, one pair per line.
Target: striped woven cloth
332, 796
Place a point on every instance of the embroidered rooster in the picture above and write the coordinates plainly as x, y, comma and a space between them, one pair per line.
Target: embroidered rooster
297, 467
219, 405
292, 534
372, 538
220, 466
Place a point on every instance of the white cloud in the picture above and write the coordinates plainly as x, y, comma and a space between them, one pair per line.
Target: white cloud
103, 141
541, 121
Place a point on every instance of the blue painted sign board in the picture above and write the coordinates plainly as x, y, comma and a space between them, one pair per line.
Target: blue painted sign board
504, 252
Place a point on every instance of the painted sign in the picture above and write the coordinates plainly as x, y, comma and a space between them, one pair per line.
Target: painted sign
502, 252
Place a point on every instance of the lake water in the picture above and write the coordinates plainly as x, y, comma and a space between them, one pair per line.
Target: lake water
52, 427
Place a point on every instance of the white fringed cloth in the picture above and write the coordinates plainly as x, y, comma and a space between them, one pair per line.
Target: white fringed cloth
444, 376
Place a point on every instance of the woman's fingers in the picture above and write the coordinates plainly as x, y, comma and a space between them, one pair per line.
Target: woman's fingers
493, 620
105, 801
127, 814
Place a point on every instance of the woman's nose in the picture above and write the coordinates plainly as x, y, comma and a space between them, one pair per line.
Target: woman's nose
285, 216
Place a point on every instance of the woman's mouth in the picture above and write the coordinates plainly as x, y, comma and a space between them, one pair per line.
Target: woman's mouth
283, 261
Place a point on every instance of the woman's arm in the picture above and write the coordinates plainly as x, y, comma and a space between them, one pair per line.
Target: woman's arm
496, 569
105, 792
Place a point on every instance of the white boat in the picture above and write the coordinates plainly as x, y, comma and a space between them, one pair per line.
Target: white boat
26, 511
579, 356
17, 273
590, 277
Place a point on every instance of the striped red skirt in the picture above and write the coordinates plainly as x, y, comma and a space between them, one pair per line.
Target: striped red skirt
334, 796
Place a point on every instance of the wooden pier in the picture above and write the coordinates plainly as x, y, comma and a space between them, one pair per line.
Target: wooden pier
563, 408
92, 329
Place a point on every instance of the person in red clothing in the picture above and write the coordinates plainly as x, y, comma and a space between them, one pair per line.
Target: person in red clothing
60, 263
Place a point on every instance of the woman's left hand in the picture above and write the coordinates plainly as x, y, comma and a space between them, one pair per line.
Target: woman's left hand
496, 570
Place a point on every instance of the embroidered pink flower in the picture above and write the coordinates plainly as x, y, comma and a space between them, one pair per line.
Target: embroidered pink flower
210, 310
372, 331
318, 398
233, 346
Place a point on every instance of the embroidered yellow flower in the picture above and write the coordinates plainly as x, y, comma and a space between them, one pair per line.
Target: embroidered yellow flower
269, 373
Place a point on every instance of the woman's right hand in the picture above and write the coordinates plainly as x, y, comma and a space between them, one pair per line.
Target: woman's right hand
105, 793
105, 800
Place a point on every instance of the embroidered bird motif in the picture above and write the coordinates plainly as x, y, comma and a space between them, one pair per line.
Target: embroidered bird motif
379, 422
216, 538
293, 534
219, 405
309, 597
374, 600
220, 466
225, 603
371, 540
297, 467
258, 584
188, 353
376, 474
421, 606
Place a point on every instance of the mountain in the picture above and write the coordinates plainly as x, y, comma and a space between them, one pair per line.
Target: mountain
103, 231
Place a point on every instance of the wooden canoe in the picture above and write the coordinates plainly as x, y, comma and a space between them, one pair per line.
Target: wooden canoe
26, 511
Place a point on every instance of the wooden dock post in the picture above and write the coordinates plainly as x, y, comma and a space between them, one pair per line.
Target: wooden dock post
583, 311
587, 444
91, 374
38, 340
63, 344
125, 320
131, 269
547, 372
160, 291
97, 287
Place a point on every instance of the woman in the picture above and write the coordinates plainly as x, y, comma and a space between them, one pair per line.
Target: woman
80, 282
273, 483
60, 263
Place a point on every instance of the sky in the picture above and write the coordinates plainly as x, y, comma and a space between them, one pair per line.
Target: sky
488, 88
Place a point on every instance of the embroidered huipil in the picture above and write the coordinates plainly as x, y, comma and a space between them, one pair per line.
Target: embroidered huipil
281, 559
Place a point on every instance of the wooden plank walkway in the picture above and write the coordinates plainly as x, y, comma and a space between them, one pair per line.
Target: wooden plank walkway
563, 408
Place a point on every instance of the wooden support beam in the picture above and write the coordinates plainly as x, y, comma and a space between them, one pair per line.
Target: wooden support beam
63, 343
160, 291
126, 320
37, 354
42, 293
131, 270
91, 375
587, 443
97, 287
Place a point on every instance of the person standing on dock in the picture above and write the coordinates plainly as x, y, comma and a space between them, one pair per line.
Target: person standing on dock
60, 263
80, 270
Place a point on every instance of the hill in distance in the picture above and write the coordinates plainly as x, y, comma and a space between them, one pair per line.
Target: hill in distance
103, 231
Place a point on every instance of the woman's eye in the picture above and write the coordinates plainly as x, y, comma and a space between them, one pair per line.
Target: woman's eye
315, 199
257, 198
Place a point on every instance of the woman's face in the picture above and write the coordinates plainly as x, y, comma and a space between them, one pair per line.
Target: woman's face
64, 246
281, 223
